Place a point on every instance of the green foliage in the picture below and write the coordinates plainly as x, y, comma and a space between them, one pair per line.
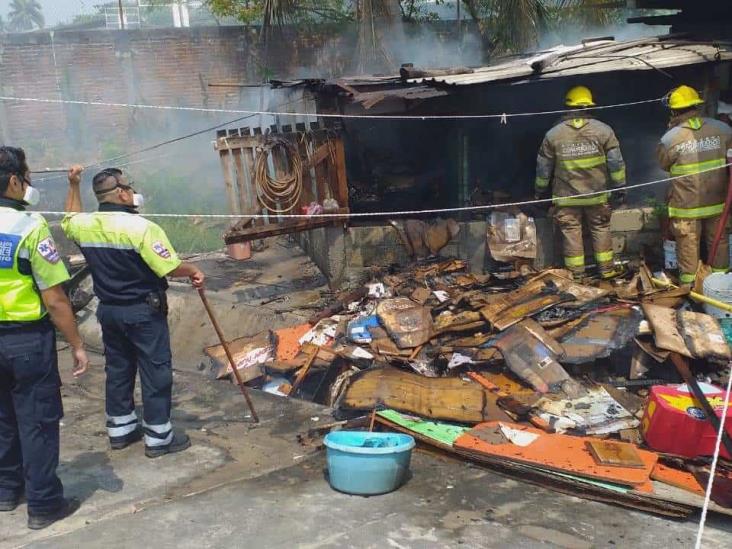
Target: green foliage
507, 26
272, 13
660, 209
166, 192
25, 15
415, 10
3, 25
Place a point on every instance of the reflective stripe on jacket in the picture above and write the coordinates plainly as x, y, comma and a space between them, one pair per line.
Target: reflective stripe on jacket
29, 262
688, 150
579, 156
128, 255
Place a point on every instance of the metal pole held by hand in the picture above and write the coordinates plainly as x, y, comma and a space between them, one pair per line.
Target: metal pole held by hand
225, 345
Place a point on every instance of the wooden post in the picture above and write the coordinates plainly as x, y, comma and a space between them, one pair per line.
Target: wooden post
121, 16
302, 147
241, 184
251, 192
341, 183
321, 169
279, 165
225, 157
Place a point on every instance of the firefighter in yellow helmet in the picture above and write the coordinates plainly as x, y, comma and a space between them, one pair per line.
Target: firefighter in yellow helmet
581, 155
694, 151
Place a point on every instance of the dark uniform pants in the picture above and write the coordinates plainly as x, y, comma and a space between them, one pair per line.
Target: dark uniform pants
136, 338
570, 224
30, 410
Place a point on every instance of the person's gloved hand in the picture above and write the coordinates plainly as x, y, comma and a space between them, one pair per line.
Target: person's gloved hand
617, 199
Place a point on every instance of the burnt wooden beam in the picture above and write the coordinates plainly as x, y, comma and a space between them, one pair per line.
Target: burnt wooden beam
277, 229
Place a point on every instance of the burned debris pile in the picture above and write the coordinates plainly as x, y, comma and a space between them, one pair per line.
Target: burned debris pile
606, 390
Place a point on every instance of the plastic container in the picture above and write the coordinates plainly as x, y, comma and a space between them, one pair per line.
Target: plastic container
368, 464
718, 286
670, 261
512, 229
239, 251
358, 330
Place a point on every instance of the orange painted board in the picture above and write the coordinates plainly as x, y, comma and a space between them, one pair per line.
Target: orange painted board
288, 341
677, 478
563, 453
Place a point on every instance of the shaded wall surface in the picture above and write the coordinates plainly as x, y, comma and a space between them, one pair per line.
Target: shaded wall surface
450, 159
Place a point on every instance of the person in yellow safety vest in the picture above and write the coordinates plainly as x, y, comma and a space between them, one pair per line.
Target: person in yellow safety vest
581, 155
694, 152
32, 300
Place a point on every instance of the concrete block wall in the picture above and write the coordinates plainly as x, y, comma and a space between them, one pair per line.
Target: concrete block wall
347, 255
635, 231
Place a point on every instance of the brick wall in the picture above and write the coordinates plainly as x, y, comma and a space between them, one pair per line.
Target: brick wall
158, 66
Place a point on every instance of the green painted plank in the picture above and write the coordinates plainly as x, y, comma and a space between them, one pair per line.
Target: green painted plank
444, 433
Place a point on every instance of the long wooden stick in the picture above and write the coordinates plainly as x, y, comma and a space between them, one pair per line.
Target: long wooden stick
225, 345
682, 366
303, 371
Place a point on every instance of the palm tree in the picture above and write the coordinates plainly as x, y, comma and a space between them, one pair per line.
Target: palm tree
375, 19
25, 15
517, 25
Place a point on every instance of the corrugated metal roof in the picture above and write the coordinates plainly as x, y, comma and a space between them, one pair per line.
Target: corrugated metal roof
607, 56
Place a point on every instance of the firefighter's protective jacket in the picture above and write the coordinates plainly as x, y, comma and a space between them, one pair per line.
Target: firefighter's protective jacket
695, 150
578, 156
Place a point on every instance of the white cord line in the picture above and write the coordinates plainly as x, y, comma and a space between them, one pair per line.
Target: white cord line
501, 116
412, 212
124, 164
713, 470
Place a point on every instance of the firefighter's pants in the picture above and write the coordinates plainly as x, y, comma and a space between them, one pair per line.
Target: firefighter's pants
597, 218
30, 410
136, 337
688, 234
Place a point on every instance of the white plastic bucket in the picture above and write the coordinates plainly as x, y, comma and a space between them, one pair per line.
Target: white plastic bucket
669, 255
718, 286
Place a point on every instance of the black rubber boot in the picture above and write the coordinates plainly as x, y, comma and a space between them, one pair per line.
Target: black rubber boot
68, 508
7, 505
120, 443
180, 442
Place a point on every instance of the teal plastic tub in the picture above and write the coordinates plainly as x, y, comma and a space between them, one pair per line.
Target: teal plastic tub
368, 464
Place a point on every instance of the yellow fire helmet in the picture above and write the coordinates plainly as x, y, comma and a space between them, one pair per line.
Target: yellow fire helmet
683, 97
579, 96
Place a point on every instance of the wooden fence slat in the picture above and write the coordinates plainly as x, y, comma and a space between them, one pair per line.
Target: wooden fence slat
225, 157
341, 183
322, 156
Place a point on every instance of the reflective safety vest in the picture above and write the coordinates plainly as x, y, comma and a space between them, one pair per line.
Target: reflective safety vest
579, 156
29, 262
695, 151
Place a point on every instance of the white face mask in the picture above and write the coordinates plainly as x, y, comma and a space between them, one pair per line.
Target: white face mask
138, 201
32, 196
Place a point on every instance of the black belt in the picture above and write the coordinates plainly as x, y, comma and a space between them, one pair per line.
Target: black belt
123, 302
157, 300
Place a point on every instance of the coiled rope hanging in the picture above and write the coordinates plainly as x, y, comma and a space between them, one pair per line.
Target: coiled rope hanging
279, 194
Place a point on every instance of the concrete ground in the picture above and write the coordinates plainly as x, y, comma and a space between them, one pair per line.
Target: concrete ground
240, 486
258, 487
